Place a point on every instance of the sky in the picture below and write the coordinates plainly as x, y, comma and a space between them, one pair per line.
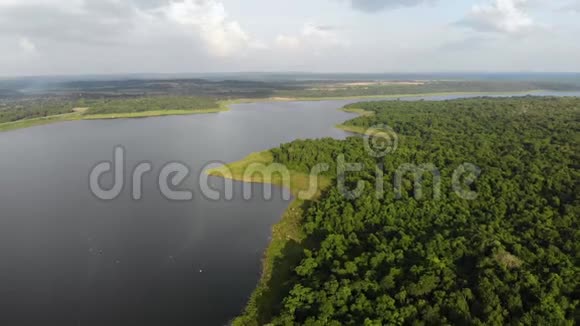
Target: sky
57, 37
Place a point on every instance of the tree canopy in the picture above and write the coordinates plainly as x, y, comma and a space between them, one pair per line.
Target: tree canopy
509, 256
143, 104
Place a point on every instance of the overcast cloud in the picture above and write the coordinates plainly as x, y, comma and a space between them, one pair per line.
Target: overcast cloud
124, 36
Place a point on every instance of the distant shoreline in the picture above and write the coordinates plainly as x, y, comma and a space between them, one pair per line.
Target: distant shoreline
224, 106
74, 116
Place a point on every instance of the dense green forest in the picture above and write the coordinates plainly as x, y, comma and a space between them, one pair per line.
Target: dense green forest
509, 256
37, 108
143, 104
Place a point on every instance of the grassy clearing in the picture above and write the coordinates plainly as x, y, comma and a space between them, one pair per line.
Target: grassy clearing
355, 129
298, 183
360, 112
285, 247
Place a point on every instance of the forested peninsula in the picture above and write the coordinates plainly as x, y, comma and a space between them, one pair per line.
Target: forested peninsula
507, 256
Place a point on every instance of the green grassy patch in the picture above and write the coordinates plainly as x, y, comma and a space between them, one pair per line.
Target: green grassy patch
298, 183
360, 112
353, 129
146, 114
7, 126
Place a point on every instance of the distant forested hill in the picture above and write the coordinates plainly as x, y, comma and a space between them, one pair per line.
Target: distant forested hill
161, 103
34, 108
30, 98
40, 108
508, 256
423, 87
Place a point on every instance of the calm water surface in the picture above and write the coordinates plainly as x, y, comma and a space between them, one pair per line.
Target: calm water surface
67, 258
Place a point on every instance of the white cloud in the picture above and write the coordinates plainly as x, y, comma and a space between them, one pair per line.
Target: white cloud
503, 16
118, 36
200, 23
210, 21
313, 37
27, 46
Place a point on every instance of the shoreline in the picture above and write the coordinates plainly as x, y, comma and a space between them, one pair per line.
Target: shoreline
150, 114
75, 116
254, 313
224, 106
388, 96
286, 233
355, 129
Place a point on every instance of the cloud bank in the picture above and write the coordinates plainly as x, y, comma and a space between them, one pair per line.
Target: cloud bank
120, 36
500, 16
202, 23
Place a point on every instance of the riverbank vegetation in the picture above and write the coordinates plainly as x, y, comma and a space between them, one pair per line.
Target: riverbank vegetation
32, 113
509, 254
149, 104
44, 101
33, 109
284, 251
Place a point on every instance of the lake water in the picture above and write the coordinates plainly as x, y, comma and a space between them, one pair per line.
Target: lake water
67, 258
